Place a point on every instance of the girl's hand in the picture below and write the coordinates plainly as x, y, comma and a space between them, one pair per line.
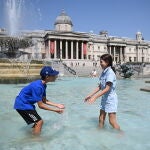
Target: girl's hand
91, 100
87, 98
61, 106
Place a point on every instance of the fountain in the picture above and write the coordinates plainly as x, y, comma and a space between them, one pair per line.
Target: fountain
125, 70
13, 15
13, 70
12, 45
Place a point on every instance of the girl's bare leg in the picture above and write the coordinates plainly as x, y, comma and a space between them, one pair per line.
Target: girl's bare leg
113, 121
102, 117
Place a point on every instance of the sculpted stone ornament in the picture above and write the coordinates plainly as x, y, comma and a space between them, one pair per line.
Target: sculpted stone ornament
125, 71
10, 46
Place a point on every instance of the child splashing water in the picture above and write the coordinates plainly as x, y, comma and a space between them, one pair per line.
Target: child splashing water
106, 89
33, 93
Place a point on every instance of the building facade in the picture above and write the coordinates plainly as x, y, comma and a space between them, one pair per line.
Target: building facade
65, 44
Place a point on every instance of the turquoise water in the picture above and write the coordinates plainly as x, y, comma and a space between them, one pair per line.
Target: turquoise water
77, 128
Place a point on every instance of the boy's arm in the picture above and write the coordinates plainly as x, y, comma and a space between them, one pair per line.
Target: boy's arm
61, 106
43, 106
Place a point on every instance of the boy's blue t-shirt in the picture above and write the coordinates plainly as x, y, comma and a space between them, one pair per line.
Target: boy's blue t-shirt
29, 95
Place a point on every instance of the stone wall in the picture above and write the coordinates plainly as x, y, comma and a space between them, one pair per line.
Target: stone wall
19, 72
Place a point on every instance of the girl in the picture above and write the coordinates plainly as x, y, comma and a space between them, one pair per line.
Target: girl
107, 86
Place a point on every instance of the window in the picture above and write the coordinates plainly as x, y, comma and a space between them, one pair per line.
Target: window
89, 56
134, 59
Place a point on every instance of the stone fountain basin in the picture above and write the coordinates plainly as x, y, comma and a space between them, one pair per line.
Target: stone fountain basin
15, 73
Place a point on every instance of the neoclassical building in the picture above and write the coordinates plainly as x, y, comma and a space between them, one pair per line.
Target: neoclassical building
68, 45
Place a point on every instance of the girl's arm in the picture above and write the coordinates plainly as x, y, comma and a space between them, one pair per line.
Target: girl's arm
45, 107
93, 93
61, 106
104, 91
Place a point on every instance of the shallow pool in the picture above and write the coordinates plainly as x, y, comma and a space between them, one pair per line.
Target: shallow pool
77, 128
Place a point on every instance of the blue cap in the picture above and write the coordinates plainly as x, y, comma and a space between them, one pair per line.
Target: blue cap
48, 71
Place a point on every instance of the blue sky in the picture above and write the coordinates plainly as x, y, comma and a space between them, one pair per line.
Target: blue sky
122, 18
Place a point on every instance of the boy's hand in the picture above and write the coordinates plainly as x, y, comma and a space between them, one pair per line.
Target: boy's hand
59, 111
61, 106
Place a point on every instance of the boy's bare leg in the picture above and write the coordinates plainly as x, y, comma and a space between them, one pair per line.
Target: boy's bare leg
37, 127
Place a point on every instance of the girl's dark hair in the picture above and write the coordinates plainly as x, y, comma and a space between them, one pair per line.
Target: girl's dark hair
108, 59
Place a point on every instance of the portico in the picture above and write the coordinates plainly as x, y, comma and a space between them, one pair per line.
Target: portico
67, 49
117, 51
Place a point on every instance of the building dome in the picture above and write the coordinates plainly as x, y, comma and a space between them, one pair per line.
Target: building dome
138, 32
63, 18
63, 22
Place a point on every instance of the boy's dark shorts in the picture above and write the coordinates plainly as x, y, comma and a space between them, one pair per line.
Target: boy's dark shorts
30, 116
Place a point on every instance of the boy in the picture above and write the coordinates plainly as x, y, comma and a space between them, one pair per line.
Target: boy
33, 93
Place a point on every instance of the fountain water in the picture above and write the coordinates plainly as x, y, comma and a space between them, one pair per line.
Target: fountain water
13, 14
12, 45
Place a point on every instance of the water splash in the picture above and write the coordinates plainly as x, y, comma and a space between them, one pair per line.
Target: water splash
62, 122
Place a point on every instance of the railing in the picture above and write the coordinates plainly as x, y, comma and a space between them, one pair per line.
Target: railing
72, 71
69, 69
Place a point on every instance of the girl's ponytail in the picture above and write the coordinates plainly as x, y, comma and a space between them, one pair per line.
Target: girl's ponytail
113, 68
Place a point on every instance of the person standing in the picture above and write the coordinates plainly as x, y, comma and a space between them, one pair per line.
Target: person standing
34, 93
106, 90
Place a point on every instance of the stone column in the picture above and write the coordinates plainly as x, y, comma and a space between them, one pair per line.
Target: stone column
71, 49
55, 51
60, 49
86, 51
121, 54
138, 54
77, 50
110, 49
92, 48
114, 54
125, 57
82, 50
49, 49
66, 49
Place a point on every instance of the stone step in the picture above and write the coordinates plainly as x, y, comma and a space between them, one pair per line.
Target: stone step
146, 89
19, 71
